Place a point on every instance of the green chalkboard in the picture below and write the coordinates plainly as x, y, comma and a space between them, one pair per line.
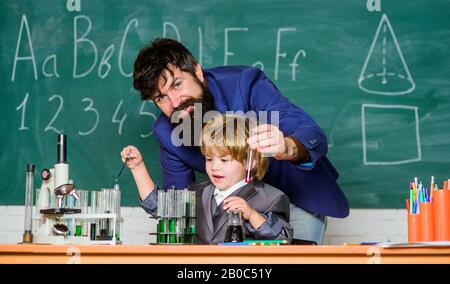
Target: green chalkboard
378, 83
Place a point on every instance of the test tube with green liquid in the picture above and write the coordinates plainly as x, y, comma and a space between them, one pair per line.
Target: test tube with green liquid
172, 236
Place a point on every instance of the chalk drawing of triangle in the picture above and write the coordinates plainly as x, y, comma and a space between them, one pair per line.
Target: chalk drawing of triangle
385, 71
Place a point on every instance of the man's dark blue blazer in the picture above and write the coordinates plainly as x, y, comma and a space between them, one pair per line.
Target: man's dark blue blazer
310, 186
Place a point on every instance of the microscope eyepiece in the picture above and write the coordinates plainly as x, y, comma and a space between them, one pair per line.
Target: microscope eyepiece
61, 148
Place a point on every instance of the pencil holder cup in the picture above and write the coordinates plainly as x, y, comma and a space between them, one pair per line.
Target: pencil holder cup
414, 228
426, 216
441, 199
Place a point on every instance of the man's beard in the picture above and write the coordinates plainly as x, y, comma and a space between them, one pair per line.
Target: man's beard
195, 118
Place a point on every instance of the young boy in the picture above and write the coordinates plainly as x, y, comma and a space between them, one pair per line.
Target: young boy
265, 209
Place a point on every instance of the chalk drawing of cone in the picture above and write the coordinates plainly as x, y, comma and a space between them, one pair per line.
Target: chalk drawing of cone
385, 71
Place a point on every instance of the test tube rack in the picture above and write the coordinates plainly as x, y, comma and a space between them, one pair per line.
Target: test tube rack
175, 217
86, 238
98, 224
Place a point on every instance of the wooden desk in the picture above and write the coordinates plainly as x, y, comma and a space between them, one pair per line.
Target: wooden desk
201, 254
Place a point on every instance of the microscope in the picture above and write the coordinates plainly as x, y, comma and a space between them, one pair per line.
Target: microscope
51, 201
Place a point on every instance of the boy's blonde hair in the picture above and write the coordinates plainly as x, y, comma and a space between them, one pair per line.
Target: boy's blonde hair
227, 134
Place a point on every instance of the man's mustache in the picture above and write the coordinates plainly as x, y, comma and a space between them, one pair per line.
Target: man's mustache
184, 105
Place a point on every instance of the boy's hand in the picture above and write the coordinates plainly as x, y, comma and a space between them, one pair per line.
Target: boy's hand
235, 203
135, 159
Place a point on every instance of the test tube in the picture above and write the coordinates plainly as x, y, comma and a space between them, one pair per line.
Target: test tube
161, 227
82, 202
70, 201
103, 205
172, 238
117, 194
162, 230
180, 202
29, 187
110, 209
172, 203
100, 208
173, 222
76, 205
160, 203
93, 207
93, 231
180, 230
248, 170
187, 235
193, 203
115, 200
36, 210
83, 205
192, 229
78, 228
96, 207
181, 218
166, 203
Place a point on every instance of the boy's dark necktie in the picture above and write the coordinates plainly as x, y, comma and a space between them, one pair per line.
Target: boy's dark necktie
215, 211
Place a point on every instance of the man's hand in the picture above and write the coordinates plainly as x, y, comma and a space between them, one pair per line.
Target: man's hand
270, 141
267, 139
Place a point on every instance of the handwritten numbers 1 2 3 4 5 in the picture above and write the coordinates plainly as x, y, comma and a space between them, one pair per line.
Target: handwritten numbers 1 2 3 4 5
90, 113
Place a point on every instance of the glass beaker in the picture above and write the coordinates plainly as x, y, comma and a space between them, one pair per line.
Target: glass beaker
235, 230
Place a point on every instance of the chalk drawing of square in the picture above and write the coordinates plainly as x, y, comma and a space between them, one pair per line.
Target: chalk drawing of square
390, 134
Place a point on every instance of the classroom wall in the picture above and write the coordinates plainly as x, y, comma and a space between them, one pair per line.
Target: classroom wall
379, 91
362, 225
